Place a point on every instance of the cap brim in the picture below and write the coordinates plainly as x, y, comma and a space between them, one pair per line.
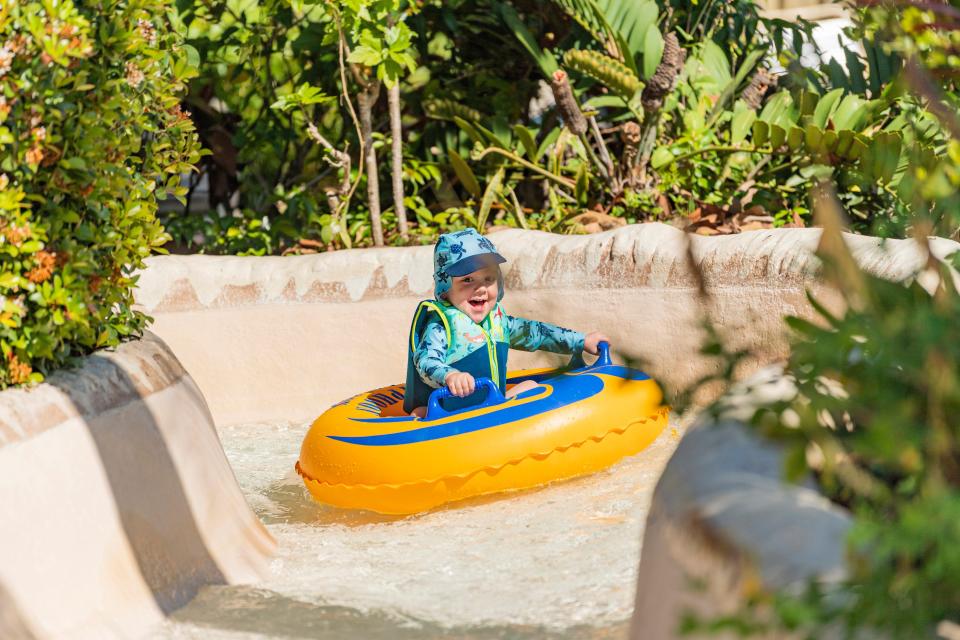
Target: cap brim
474, 263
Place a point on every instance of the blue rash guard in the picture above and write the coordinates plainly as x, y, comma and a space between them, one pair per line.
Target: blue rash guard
525, 335
444, 339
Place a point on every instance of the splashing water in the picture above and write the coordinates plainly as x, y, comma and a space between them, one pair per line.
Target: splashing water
555, 562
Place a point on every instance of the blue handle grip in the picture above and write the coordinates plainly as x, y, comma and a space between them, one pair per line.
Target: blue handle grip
576, 362
435, 411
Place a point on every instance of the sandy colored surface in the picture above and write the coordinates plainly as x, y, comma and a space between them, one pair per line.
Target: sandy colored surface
118, 502
282, 338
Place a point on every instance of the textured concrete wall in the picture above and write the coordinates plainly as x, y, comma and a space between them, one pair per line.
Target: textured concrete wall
118, 503
282, 338
723, 526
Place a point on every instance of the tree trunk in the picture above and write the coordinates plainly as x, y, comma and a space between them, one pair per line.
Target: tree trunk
366, 99
396, 136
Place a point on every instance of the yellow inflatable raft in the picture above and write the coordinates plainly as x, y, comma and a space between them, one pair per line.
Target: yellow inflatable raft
365, 453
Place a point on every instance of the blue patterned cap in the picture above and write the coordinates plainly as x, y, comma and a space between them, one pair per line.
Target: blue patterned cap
460, 253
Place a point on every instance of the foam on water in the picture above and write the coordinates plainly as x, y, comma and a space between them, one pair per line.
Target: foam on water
559, 561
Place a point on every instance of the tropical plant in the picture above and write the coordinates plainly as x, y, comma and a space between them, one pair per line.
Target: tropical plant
711, 133
873, 415
92, 135
263, 160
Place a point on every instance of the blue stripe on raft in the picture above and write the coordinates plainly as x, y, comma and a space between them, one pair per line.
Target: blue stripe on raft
618, 371
584, 387
615, 370
625, 373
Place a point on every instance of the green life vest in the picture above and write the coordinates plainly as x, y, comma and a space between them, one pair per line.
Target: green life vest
479, 349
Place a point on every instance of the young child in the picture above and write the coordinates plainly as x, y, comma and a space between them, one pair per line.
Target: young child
464, 334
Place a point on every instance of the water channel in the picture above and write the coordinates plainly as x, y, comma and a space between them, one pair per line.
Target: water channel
556, 562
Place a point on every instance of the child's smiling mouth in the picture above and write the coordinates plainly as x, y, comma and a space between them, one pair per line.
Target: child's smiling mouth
476, 303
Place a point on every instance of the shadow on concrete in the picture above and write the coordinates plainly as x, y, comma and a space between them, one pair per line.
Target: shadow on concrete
12, 624
149, 495
263, 612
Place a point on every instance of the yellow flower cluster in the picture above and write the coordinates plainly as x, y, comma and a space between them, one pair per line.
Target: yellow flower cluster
18, 372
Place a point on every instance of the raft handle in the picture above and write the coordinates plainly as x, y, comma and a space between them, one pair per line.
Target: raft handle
577, 362
435, 411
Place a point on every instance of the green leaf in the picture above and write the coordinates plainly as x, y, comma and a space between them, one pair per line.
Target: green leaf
826, 107
548, 141
526, 139
837, 75
581, 189
761, 132
544, 59
802, 326
599, 102
812, 136
492, 192
746, 68
365, 56
465, 174
661, 157
193, 56
779, 110
844, 142
795, 138
716, 63
829, 142
856, 71
652, 51
470, 130
808, 102
778, 136
889, 156
849, 113
741, 125
857, 149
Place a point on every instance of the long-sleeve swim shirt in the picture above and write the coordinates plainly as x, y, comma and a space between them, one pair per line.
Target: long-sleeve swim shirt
525, 335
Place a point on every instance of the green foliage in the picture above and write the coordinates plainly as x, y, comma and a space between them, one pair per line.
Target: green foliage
604, 69
622, 28
253, 56
720, 139
302, 97
380, 39
266, 69
705, 128
874, 415
92, 134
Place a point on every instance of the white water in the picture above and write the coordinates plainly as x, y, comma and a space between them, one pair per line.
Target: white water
557, 562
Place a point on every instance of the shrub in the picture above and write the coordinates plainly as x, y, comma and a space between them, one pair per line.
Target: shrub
92, 135
874, 416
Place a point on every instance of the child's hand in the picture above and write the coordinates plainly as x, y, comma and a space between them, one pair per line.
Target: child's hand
593, 339
461, 384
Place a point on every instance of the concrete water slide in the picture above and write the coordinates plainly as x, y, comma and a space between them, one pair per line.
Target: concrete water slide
117, 501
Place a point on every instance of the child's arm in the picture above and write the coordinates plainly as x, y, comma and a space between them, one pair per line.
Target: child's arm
430, 357
533, 335
430, 363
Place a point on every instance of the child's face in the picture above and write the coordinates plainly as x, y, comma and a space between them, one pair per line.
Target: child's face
475, 293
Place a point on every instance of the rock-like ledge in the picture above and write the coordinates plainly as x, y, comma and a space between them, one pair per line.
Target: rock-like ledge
723, 525
118, 501
282, 338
